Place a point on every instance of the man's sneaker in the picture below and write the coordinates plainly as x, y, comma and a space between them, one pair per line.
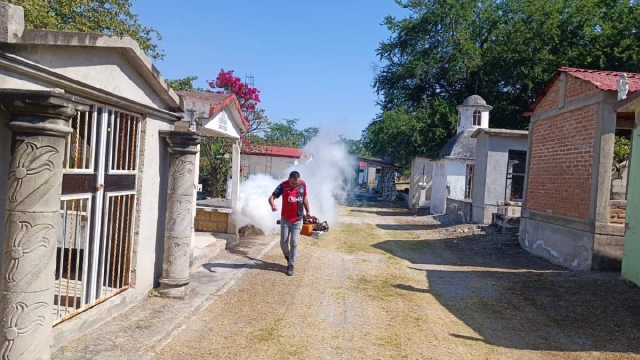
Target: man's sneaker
290, 270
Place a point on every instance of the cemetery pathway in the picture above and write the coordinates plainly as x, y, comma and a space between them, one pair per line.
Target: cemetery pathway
387, 283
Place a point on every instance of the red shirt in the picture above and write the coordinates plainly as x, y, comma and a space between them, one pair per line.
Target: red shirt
292, 200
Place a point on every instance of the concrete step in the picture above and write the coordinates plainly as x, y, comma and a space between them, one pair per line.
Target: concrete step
205, 251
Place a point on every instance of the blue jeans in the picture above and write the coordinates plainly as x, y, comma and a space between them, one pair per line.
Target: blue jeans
289, 233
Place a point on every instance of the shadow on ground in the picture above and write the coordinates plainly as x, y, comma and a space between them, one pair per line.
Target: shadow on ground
257, 265
410, 227
515, 300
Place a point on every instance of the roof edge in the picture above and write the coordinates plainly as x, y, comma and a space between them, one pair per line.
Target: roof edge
500, 132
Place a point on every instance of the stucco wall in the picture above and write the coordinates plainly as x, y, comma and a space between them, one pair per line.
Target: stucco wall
420, 165
258, 165
456, 176
152, 204
492, 157
100, 67
439, 188
466, 118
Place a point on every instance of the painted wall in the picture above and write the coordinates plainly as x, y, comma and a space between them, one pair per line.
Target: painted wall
465, 114
448, 181
456, 177
152, 199
439, 188
631, 252
420, 166
372, 178
258, 165
492, 157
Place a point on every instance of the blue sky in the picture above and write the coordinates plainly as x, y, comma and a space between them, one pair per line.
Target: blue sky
311, 59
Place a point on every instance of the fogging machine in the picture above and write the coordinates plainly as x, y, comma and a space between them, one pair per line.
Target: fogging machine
311, 224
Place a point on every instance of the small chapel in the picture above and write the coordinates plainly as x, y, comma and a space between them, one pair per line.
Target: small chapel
454, 167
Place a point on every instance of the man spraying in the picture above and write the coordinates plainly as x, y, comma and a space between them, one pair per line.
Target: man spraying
294, 201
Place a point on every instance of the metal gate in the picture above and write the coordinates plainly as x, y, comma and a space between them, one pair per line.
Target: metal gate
97, 208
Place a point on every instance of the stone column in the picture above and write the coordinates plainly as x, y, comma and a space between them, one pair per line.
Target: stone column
183, 147
39, 121
232, 223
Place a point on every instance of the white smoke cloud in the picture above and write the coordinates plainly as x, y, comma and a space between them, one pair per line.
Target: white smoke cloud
328, 174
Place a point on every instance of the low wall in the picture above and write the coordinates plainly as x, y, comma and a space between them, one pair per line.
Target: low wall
462, 210
211, 220
617, 211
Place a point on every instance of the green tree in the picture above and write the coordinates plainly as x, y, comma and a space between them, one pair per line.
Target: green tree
185, 84
401, 134
95, 16
506, 51
286, 134
355, 147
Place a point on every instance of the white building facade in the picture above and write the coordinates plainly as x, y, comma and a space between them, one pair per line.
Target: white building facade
454, 167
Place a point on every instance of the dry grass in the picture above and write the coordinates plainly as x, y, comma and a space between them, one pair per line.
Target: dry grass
360, 293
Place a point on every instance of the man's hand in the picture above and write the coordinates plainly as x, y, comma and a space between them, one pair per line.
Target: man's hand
272, 203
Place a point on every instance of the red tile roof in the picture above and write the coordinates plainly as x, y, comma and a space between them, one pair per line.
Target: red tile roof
275, 151
217, 102
604, 80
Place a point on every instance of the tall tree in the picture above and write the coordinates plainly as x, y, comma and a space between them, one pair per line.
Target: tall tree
97, 16
505, 50
400, 134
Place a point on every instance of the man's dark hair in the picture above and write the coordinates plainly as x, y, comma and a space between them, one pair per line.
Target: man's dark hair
294, 175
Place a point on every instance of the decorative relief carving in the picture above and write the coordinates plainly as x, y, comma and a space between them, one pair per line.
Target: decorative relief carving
21, 323
28, 239
181, 211
32, 159
181, 170
178, 254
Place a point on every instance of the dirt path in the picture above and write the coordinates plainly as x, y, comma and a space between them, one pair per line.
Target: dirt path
386, 284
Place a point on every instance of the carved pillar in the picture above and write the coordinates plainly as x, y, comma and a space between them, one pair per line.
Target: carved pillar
183, 147
39, 121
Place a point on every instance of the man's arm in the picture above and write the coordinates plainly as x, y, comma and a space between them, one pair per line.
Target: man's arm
306, 206
276, 194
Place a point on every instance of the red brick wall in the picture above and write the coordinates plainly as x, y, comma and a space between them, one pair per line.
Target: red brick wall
575, 88
578, 88
551, 99
617, 211
561, 163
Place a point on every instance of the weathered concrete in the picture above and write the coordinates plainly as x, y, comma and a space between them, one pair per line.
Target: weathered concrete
183, 147
461, 210
420, 182
11, 22
565, 246
492, 158
39, 122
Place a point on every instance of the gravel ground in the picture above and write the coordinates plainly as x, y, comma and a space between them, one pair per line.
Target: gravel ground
387, 283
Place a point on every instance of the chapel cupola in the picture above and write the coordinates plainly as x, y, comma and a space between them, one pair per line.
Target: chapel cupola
473, 114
